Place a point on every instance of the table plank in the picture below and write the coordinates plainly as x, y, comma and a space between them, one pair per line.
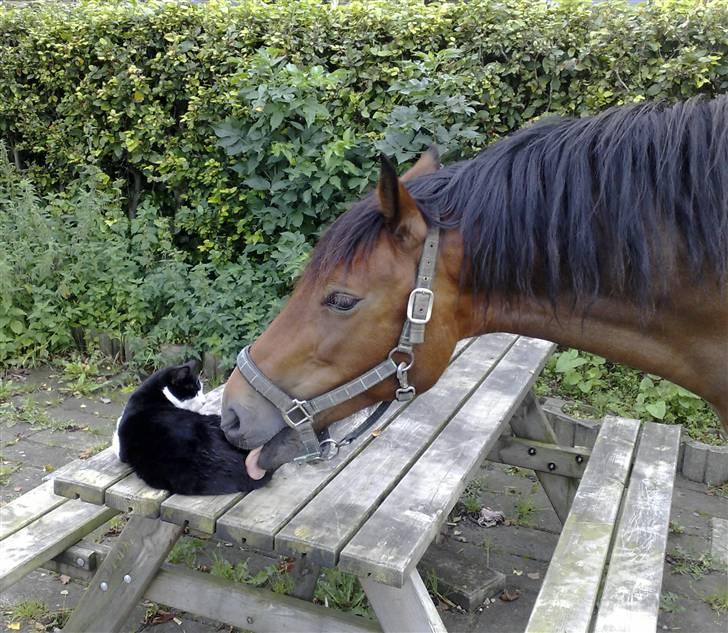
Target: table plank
569, 591
47, 537
390, 544
90, 479
328, 521
262, 513
131, 494
27, 508
199, 512
631, 597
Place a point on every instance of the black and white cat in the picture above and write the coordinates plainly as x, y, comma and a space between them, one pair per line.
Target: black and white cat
171, 445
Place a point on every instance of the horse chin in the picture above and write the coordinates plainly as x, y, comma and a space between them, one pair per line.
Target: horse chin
284, 447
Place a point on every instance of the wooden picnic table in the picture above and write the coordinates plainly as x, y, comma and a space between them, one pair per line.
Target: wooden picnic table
372, 511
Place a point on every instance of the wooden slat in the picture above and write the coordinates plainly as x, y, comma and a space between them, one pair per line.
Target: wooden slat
124, 575
248, 608
131, 494
47, 537
27, 508
408, 609
631, 597
388, 547
92, 477
199, 512
514, 451
532, 423
325, 525
568, 594
262, 513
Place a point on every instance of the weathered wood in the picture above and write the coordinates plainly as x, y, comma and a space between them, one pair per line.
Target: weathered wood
79, 561
388, 547
124, 575
131, 494
262, 513
92, 477
246, 607
27, 508
568, 594
719, 541
350, 498
305, 574
630, 600
33, 545
405, 609
531, 423
236, 604
567, 461
200, 512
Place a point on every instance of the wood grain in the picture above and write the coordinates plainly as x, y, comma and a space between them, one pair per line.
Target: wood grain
131, 494
631, 597
569, 591
90, 479
390, 544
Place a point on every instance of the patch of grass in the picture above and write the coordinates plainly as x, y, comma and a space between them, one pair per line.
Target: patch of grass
719, 491
718, 601
342, 591
525, 509
682, 563
676, 529
10, 389
6, 470
275, 577
670, 603
185, 552
29, 610
516, 471
85, 375
470, 499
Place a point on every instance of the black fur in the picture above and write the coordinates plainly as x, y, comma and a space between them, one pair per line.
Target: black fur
606, 205
175, 449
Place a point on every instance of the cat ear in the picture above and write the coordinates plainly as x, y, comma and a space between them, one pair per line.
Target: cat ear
194, 366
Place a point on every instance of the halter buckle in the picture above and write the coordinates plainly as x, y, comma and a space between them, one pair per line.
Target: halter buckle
419, 305
299, 408
405, 394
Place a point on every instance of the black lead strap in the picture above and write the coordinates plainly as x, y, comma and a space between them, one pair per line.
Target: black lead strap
366, 425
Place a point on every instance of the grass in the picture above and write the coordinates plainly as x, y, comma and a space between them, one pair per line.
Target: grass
670, 603
718, 601
185, 552
684, 564
39, 613
525, 509
470, 499
6, 470
342, 591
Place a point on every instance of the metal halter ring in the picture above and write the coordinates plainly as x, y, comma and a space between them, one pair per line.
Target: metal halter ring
327, 454
408, 364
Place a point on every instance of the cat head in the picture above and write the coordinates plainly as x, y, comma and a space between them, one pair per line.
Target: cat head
181, 381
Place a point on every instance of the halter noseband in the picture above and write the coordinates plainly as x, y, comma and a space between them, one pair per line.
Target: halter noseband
299, 414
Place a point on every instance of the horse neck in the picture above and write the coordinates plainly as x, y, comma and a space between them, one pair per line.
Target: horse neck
681, 339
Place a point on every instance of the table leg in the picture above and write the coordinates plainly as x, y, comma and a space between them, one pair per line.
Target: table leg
408, 609
125, 574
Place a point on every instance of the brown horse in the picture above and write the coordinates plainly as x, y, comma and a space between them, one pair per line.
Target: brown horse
608, 234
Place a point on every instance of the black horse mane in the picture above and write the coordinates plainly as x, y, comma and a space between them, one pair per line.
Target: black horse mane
610, 205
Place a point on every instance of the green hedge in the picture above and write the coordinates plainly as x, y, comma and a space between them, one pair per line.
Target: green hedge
182, 157
244, 121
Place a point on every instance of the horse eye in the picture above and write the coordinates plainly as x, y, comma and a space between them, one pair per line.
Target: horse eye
341, 301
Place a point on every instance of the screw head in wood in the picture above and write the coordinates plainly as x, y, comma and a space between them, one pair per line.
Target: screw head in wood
552, 466
532, 451
104, 586
127, 579
250, 619
79, 561
579, 459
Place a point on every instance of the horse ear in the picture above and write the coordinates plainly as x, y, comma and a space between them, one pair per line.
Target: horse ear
427, 163
402, 217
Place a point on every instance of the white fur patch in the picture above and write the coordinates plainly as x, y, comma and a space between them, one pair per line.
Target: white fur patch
115, 445
192, 404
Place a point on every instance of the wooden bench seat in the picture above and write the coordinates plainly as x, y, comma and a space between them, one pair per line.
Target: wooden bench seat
624, 493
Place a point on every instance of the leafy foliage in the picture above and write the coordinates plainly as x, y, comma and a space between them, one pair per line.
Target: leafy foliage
611, 388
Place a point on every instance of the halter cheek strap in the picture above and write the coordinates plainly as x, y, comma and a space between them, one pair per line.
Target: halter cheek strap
299, 414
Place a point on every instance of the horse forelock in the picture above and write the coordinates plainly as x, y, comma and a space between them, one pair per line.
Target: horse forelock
611, 204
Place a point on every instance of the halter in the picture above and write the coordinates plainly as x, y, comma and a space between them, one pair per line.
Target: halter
299, 414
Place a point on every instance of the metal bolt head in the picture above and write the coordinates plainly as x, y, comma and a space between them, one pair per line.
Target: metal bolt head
552, 466
127, 579
104, 586
579, 459
80, 562
250, 619
532, 451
